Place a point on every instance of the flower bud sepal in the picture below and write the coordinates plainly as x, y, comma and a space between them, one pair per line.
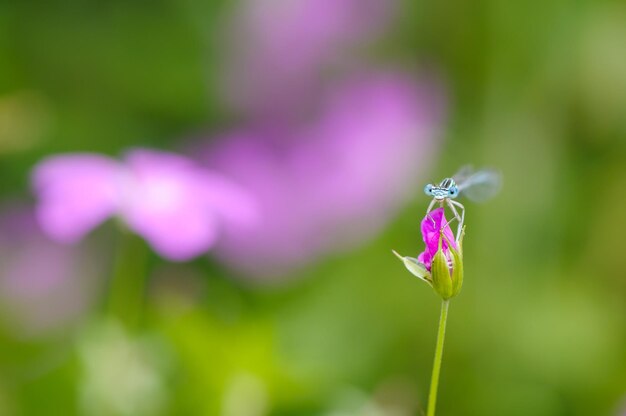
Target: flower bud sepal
416, 268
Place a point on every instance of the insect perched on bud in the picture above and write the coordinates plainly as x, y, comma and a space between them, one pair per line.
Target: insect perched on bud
441, 263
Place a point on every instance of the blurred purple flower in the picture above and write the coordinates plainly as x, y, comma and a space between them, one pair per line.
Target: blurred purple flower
334, 181
432, 224
44, 286
329, 150
175, 205
278, 51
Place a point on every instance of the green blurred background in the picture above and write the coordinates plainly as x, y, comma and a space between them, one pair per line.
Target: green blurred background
536, 89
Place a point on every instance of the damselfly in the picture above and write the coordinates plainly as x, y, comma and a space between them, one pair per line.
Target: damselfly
477, 186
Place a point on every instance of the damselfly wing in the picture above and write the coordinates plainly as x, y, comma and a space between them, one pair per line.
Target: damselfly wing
478, 185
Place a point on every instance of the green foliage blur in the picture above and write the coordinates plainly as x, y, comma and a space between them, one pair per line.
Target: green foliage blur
536, 89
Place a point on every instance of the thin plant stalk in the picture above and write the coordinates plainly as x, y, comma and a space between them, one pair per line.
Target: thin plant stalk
127, 284
434, 380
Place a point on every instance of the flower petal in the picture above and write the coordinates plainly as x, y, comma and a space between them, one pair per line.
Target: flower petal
76, 193
164, 204
431, 226
426, 259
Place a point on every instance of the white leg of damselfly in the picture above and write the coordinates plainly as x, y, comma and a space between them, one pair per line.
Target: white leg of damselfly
430, 208
456, 214
461, 219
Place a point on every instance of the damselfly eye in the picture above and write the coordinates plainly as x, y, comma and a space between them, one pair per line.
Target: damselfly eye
428, 190
453, 191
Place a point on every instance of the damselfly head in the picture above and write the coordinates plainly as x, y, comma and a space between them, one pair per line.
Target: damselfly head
446, 189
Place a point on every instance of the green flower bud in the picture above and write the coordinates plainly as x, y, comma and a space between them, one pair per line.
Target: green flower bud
447, 275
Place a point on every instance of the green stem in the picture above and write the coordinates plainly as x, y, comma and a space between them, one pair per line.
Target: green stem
434, 380
126, 291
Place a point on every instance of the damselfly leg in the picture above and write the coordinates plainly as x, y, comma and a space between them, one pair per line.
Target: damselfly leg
459, 218
430, 208
452, 203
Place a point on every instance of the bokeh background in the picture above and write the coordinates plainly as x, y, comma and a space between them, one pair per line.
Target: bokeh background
333, 114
